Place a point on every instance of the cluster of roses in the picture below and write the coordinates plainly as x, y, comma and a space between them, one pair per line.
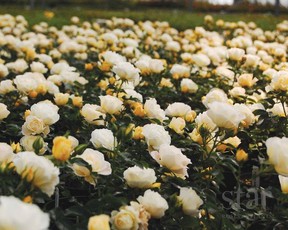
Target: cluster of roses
221, 81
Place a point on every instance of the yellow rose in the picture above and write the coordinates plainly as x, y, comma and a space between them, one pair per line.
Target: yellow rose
99, 222
62, 148
125, 219
61, 98
241, 155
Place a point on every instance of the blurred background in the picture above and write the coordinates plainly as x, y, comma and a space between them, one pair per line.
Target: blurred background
276, 6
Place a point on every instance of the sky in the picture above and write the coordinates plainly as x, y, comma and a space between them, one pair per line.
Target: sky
283, 2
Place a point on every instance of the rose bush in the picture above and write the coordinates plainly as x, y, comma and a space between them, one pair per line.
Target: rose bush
116, 124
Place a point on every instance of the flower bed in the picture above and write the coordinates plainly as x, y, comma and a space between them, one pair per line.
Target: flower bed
124, 125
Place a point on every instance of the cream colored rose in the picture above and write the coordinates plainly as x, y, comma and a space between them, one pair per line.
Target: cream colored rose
278, 110
38, 170
203, 120
249, 116
172, 158
137, 177
225, 74
97, 162
236, 54
4, 112
225, 115
177, 124
201, 60
190, 201
111, 105
278, 154
153, 110
188, 86
173, 46
125, 219
6, 86
179, 71
93, 114
155, 135
46, 111
237, 92
19, 66
99, 222
280, 81
251, 61
154, 203
33, 125
246, 80
284, 183
38, 67
126, 71
15, 214
214, 94
27, 143
177, 109
7, 154
156, 65
103, 138
3, 71
111, 57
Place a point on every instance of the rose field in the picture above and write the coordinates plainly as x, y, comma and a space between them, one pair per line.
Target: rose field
133, 124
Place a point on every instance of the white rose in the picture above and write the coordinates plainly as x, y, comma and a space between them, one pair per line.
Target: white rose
237, 92
225, 74
4, 112
246, 80
280, 81
190, 201
173, 46
6, 153
249, 116
93, 114
18, 66
278, 110
155, 135
137, 177
225, 115
38, 67
33, 125
97, 162
154, 203
177, 109
126, 218
204, 120
3, 71
156, 66
38, 169
180, 70
201, 60
16, 214
112, 58
189, 86
6, 86
132, 93
214, 94
103, 138
236, 54
25, 83
110, 104
46, 111
58, 68
153, 110
172, 158
126, 71
251, 61
278, 154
